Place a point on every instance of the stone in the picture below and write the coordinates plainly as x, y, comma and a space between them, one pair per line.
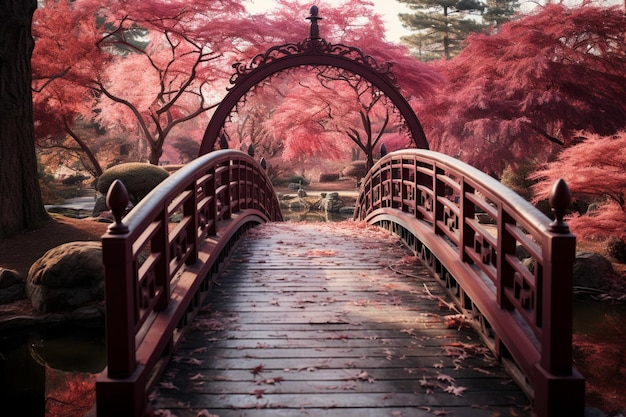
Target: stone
12, 286
521, 252
332, 203
590, 269
100, 206
67, 277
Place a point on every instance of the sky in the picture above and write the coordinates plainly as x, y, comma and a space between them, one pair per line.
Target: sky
388, 9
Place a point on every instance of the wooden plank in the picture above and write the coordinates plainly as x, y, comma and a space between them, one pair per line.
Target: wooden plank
331, 319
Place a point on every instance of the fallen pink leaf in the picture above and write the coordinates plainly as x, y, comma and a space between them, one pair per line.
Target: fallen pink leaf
453, 389
169, 385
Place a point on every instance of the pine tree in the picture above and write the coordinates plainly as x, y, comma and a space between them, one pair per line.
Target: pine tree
499, 11
440, 26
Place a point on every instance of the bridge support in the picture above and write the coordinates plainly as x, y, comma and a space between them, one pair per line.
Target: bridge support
558, 395
122, 397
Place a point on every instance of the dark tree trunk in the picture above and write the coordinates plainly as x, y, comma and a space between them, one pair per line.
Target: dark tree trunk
21, 206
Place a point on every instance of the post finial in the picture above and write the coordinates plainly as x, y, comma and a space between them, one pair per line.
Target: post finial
314, 32
560, 199
117, 201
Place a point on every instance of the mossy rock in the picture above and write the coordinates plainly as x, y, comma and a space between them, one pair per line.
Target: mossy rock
138, 178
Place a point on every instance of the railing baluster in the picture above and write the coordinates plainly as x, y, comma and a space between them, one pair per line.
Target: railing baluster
213, 207
438, 192
468, 211
190, 210
506, 245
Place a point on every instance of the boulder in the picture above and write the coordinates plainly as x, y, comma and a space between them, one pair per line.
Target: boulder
590, 269
521, 252
346, 210
67, 277
11, 286
332, 203
100, 206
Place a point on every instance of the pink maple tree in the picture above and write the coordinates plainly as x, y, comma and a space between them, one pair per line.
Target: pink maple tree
326, 111
595, 171
331, 113
527, 89
141, 70
137, 68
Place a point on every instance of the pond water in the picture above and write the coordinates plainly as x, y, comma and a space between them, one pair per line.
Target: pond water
314, 216
601, 319
51, 371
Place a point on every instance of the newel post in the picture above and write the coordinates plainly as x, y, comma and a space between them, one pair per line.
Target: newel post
559, 388
120, 313
119, 288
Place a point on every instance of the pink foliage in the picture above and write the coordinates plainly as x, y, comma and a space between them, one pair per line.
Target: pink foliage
595, 171
396, 141
88, 66
608, 220
317, 119
89, 54
352, 23
531, 86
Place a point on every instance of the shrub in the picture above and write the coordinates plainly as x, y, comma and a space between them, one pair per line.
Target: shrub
617, 249
291, 179
138, 178
327, 177
74, 179
516, 178
356, 169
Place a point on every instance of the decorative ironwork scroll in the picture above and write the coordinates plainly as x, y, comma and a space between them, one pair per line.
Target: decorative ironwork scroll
313, 51
313, 47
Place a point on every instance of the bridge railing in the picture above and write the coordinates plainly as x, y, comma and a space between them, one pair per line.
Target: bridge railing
160, 260
508, 267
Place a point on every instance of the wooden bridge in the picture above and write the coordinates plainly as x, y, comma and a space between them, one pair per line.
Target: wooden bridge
331, 319
296, 320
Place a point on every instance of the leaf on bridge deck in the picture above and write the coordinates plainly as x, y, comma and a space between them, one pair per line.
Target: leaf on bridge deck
454, 390
320, 253
258, 393
445, 378
257, 370
205, 413
168, 385
163, 413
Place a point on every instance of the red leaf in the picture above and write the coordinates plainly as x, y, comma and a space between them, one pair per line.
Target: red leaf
258, 393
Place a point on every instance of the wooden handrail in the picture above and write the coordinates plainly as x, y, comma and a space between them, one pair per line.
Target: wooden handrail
160, 260
521, 305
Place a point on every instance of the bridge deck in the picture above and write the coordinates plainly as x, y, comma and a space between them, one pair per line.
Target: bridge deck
331, 319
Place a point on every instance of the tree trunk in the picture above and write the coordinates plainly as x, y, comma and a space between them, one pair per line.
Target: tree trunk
97, 169
20, 195
155, 155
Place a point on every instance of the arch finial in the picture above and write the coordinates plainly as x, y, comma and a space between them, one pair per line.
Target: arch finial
314, 32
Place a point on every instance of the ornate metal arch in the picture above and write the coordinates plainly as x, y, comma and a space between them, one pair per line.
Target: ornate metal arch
313, 51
